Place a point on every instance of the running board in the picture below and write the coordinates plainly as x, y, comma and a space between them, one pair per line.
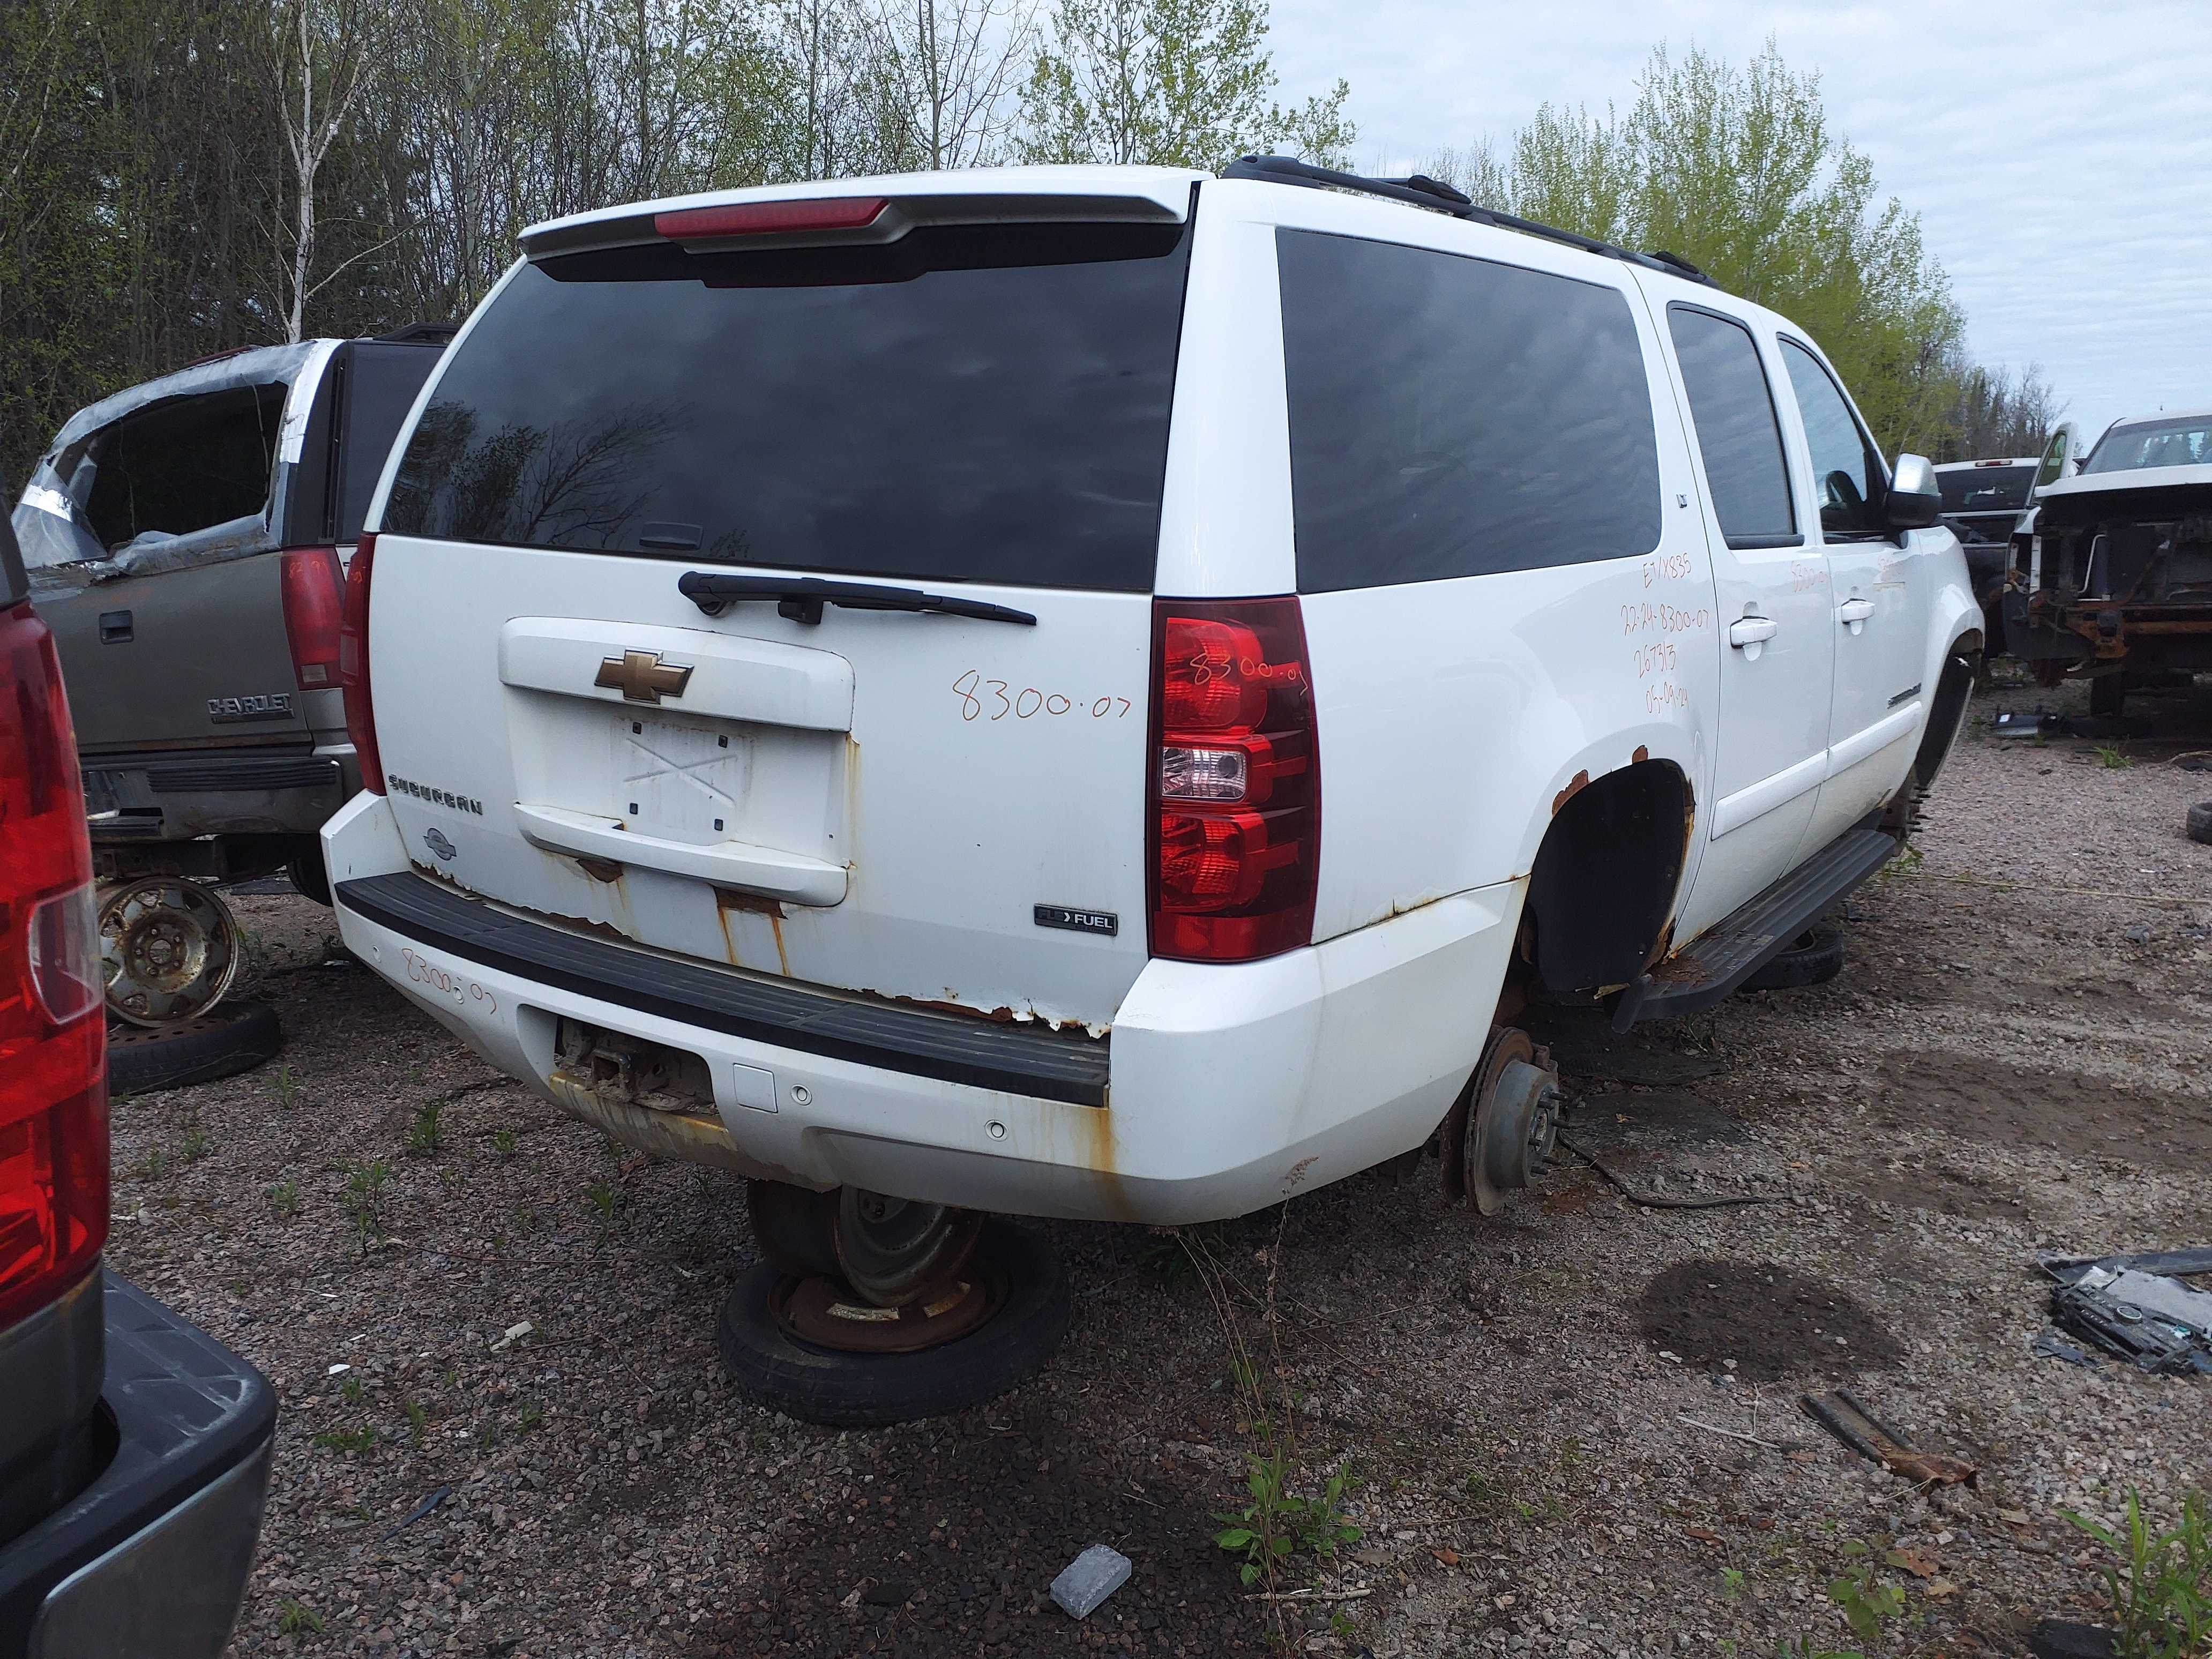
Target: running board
1712, 965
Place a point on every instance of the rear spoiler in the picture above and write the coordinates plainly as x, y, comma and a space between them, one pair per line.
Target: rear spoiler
688, 220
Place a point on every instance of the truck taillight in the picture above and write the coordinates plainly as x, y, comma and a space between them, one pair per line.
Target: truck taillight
353, 663
313, 590
53, 1053
1236, 784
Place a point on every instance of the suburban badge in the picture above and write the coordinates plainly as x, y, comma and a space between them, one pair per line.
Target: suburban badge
641, 676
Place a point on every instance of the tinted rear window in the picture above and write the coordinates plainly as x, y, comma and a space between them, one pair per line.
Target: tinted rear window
978, 403
1733, 409
1452, 417
1985, 488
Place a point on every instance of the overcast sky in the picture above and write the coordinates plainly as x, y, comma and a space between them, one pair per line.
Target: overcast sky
2060, 157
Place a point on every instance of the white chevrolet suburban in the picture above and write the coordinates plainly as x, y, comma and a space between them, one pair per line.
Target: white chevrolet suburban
847, 675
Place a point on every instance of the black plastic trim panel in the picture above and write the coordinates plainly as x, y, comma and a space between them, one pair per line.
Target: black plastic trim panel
1712, 965
1016, 1058
254, 773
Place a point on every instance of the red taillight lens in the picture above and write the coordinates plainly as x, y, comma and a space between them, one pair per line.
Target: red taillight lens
1236, 780
53, 1054
353, 663
314, 605
765, 218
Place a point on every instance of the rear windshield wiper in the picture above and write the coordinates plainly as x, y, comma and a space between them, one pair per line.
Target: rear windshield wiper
801, 597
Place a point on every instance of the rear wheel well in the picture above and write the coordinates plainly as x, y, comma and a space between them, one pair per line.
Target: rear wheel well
1602, 886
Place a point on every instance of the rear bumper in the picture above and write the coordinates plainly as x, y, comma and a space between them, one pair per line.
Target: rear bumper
152, 1555
180, 795
1220, 1089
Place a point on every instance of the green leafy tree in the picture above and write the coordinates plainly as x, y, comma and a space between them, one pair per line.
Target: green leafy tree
1736, 168
1168, 83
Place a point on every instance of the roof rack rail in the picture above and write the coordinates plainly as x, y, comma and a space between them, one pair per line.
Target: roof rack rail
1422, 191
437, 334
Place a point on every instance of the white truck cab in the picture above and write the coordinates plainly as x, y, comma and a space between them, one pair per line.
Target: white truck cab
1093, 692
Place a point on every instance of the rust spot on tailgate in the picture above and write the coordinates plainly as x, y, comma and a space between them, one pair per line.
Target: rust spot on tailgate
727, 899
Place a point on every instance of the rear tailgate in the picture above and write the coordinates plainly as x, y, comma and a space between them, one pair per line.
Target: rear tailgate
946, 808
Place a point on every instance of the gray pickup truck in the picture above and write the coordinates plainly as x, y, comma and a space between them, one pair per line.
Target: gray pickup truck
185, 541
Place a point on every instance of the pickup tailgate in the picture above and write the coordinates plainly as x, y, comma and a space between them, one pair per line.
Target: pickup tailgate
942, 805
191, 657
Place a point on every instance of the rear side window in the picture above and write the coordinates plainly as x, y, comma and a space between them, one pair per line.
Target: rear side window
381, 381
1452, 416
1733, 409
184, 465
978, 403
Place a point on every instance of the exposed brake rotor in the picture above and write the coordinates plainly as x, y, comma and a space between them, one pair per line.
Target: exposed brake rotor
1501, 1131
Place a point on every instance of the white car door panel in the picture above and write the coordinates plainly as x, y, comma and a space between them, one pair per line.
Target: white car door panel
1772, 603
1879, 597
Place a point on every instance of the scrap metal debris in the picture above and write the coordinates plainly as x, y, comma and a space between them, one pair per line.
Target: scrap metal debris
2135, 1307
1842, 1414
2059, 1348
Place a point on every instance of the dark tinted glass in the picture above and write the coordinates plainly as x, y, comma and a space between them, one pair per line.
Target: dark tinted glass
1451, 417
382, 382
1985, 488
12, 583
1737, 433
1848, 477
986, 403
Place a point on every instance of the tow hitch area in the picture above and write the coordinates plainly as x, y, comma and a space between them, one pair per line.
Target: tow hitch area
594, 1068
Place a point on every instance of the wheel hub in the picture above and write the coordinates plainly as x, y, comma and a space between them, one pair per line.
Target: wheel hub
1511, 1122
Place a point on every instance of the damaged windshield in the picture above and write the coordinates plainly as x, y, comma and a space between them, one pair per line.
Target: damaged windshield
2183, 441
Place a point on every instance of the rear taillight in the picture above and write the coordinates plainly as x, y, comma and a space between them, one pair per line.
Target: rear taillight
768, 218
1236, 785
353, 663
53, 1054
314, 601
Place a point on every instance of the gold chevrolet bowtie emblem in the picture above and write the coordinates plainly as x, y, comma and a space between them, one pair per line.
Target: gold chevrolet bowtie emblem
641, 676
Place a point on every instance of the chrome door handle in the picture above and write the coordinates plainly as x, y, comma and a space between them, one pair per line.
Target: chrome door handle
1853, 613
1751, 630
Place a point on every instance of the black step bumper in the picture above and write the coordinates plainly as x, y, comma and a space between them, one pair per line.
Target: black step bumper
152, 1555
1022, 1059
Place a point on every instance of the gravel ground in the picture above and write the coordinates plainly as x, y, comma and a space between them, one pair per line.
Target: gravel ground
1533, 1404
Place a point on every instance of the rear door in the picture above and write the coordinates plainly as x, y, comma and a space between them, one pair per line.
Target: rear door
942, 807
1777, 652
195, 656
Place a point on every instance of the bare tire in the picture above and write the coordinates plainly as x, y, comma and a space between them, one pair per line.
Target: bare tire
2200, 822
1814, 957
864, 1390
233, 1038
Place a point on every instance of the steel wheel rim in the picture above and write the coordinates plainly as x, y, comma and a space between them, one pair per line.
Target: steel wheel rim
894, 1251
169, 950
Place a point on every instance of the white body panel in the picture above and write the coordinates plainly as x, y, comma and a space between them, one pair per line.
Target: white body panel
1232, 1087
876, 802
